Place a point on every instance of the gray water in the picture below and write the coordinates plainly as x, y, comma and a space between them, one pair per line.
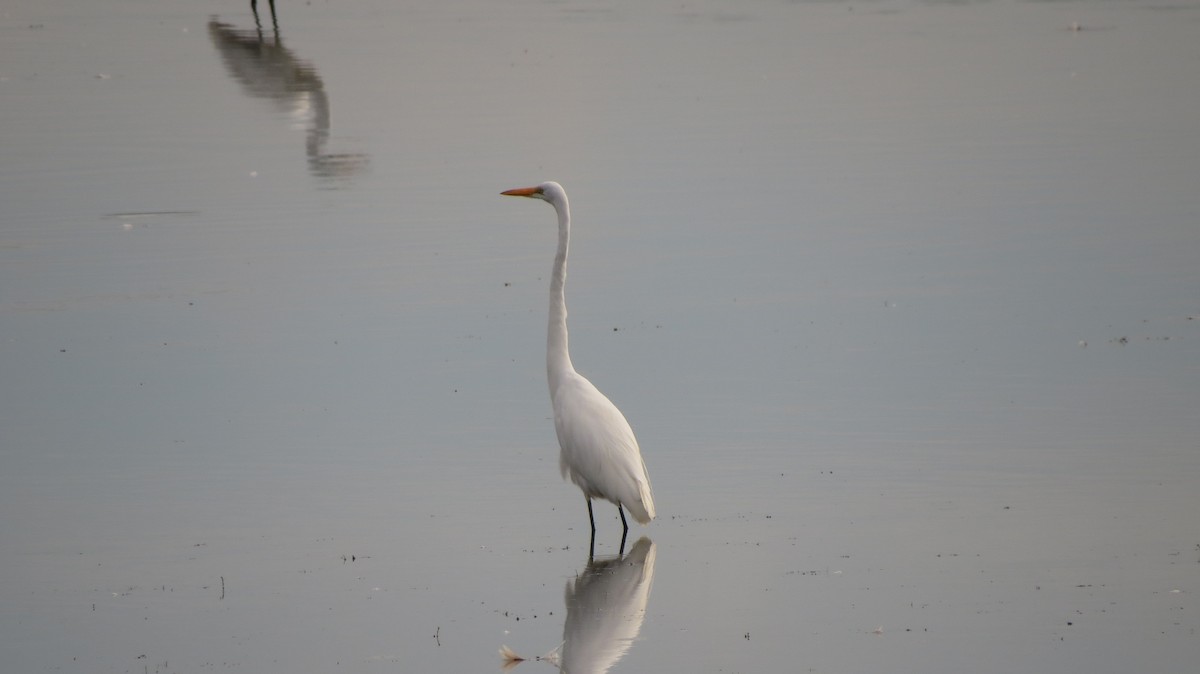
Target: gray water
900, 297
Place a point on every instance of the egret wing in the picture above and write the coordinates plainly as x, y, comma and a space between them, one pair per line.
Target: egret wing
599, 450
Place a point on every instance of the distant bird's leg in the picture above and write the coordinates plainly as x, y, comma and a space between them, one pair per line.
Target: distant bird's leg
621, 550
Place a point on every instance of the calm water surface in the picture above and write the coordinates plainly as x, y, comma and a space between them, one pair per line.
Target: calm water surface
901, 298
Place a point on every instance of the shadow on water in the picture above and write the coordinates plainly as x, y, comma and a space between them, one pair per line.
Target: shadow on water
268, 70
606, 605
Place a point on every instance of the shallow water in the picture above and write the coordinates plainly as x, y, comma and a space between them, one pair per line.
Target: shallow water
900, 298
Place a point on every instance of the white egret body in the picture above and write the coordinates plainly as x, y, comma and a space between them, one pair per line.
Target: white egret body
599, 451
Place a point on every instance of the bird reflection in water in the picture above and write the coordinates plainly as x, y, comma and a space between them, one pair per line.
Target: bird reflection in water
268, 70
606, 604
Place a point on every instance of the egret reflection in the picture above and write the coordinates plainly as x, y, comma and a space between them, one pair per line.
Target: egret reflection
606, 605
268, 70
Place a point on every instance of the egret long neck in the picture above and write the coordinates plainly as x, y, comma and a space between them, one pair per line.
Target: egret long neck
558, 358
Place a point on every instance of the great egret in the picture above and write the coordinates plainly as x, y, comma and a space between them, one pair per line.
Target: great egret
599, 452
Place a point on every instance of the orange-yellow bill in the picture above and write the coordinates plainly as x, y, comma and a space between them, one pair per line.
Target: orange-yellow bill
522, 192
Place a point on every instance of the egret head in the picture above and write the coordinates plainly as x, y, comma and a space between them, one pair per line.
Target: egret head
548, 191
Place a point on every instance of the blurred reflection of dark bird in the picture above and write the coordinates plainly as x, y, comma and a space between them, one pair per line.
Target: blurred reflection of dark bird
268, 70
606, 605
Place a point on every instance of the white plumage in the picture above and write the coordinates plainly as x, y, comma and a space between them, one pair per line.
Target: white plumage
599, 451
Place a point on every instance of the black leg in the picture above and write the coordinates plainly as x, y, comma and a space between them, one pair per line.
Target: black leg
624, 529
592, 546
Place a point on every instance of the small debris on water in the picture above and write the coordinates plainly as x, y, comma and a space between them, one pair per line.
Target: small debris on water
510, 658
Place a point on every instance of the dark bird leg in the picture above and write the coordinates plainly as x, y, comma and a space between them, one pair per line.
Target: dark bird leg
274, 20
624, 529
592, 547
